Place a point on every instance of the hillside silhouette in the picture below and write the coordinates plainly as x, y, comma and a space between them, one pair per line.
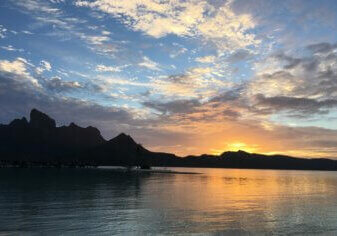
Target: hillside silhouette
40, 140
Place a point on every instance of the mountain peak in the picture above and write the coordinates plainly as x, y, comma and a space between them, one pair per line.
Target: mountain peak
41, 120
123, 135
123, 138
19, 122
73, 125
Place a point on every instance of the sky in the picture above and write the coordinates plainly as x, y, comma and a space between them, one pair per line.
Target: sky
179, 76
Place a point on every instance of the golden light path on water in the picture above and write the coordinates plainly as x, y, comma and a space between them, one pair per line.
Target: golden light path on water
249, 200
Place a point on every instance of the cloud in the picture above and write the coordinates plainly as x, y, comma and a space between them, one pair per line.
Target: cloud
219, 24
176, 50
95, 40
45, 13
176, 106
196, 82
149, 64
229, 113
304, 106
151, 17
64, 27
205, 59
18, 70
37, 6
181, 86
56, 84
229, 95
106, 84
308, 83
103, 68
275, 84
26, 32
105, 32
322, 47
11, 48
3, 31
57, 1
44, 66
67, 27
302, 23
240, 55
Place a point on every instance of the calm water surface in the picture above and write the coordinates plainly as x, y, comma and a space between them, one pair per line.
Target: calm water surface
215, 201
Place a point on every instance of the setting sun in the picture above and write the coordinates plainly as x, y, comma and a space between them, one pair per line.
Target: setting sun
240, 146
236, 146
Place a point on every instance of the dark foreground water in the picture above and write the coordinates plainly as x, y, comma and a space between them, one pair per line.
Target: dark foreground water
216, 201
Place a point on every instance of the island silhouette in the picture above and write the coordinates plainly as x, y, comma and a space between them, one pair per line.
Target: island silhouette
40, 142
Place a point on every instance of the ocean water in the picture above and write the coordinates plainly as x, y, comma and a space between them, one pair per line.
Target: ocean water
105, 201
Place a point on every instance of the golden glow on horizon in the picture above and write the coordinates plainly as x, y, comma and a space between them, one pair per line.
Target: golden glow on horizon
217, 136
236, 146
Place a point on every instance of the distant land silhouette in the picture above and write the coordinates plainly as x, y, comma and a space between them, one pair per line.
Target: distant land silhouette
40, 141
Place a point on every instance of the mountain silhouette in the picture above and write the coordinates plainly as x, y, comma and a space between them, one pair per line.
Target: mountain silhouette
41, 140
121, 150
40, 120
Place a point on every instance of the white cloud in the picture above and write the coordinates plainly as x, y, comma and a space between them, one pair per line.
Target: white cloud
44, 66
26, 32
196, 83
96, 40
103, 68
149, 64
227, 30
305, 85
11, 48
45, 13
3, 31
38, 6
177, 50
66, 27
205, 59
59, 85
108, 83
18, 68
105, 32
56, 1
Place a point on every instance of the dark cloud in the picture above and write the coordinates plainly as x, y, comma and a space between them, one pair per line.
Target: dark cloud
308, 63
324, 143
291, 61
229, 95
303, 105
240, 55
322, 47
303, 85
56, 84
229, 113
176, 106
178, 79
